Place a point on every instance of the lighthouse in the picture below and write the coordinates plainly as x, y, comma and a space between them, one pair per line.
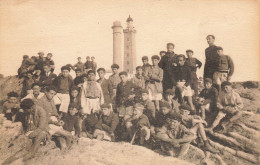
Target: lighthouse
117, 31
129, 46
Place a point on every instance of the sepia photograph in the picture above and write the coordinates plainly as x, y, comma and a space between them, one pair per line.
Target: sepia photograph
132, 82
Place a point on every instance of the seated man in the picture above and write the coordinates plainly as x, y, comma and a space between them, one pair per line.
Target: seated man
208, 98
169, 96
36, 93
37, 125
70, 124
89, 124
11, 106
107, 124
229, 105
164, 113
149, 108
182, 75
138, 125
196, 125
174, 135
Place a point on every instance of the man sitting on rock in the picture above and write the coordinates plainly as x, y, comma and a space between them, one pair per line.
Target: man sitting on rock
207, 99
229, 105
196, 125
107, 124
174, 136
37, 124
138, 126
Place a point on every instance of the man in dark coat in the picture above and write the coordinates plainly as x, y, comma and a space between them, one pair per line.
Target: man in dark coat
212, 58
168, 63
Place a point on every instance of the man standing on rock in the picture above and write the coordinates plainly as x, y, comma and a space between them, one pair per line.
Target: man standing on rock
168, 63
212, 58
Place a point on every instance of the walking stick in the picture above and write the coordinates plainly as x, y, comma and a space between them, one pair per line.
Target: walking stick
133, 138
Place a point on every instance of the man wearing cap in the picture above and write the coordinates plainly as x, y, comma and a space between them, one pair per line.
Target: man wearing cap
168, 63
139, 78
196, 125
105, 128
162, 53
79, 65
207, 100
39, 63
193, 63
36, 94
126, 95
212, 58
49, 61
115, 80
230, 105
138, 126
106, 86
27, 65
48, 77
36, 125
78, 81
88, 64
225, 68
164, 113
175, 138
154, 77
146, 64
91, 95
149, 108
63, 83
94, 63
182, 75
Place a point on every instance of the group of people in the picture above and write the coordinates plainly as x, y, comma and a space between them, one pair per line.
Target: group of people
160, 107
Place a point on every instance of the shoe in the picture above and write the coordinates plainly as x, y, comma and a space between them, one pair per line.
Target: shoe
209, 148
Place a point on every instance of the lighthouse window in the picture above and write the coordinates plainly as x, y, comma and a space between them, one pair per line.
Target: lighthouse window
127, 62
127, 39
127, 54
127, 47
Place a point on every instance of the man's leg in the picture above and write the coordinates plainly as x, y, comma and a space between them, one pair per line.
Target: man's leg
37, 141
67, 135
183, 149
220, 116
201, 131
236, 116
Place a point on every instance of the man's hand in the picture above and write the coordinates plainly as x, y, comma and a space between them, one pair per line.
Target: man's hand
175, 143
219, 106
131, 96
8, 111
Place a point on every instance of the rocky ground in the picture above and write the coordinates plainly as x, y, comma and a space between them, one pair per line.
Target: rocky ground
239, 144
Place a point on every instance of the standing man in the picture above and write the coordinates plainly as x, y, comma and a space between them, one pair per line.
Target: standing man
79, 65
211, 58
94, 64
225, 68
88, 65
91, 95
168, 63
106, 86
146, 64
115, 80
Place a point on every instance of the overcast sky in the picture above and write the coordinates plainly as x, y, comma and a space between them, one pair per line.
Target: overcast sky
72, 28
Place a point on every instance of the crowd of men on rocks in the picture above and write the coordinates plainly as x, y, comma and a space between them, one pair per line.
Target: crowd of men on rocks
161, 107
